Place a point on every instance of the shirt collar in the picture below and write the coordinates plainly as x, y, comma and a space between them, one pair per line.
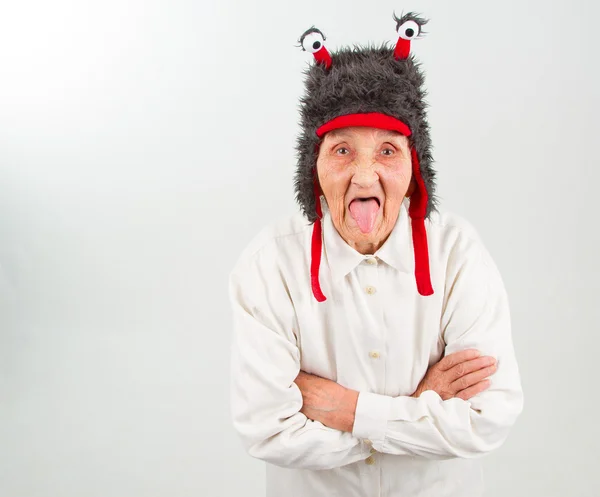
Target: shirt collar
397, 251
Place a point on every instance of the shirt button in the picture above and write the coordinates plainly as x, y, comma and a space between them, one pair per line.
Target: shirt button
370, 460
373, 451
370, 290
372, 261
367, 441
374, 354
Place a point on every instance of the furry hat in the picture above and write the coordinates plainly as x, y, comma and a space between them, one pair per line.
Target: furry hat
376, 86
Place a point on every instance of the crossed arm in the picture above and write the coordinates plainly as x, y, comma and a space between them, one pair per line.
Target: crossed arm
460, 375
292, 419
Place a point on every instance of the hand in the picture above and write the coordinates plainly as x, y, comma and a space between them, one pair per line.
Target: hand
326, 401
462, 375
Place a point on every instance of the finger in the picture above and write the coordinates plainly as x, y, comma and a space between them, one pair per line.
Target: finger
472, 378
467, 367
457, 357
467, 393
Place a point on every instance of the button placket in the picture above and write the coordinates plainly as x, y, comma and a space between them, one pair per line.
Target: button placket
369, 274
370, 260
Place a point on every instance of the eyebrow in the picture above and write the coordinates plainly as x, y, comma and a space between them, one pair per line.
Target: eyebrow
338, 133
392, 134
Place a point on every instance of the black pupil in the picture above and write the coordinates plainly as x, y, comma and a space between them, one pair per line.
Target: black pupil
410, 32
316, 45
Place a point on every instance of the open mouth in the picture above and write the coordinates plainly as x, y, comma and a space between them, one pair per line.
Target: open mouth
364, 212
366, 199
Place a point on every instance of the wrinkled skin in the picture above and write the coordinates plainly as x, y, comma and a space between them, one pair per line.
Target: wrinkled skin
364, 162
460, 375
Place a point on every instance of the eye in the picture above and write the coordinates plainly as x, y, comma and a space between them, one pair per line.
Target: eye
346, 151
313, 42
409, 30
388, 149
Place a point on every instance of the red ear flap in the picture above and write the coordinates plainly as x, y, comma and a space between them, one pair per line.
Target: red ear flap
316, 244
417, 211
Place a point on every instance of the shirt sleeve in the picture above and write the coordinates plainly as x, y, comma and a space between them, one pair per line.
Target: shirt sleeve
265, 361
475, 315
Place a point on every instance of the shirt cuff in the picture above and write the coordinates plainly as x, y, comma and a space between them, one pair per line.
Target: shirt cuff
371, 416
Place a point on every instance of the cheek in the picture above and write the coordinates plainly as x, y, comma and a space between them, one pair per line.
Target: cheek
396, 179
333, 179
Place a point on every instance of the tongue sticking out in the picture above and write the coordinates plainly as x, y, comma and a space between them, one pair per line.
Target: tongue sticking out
364, 212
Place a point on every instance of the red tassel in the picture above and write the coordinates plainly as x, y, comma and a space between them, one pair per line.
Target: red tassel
316, 246
418, 210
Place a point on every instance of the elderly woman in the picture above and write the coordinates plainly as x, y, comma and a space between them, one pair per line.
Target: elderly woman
372, 352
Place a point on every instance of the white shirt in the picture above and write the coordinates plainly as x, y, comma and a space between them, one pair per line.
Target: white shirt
375, 334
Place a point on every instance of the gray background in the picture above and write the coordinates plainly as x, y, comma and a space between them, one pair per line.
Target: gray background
142, 144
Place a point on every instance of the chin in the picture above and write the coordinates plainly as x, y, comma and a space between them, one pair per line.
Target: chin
359, 236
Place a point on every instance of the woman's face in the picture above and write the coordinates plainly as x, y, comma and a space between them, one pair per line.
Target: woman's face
364, 174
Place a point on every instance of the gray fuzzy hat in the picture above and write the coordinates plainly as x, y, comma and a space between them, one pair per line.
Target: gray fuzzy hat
376, 86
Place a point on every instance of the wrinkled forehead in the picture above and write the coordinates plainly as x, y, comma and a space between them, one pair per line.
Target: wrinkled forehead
362, 131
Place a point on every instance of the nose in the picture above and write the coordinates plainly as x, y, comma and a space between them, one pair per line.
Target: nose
365, 174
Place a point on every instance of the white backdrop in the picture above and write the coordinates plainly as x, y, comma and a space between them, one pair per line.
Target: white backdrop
142, 145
